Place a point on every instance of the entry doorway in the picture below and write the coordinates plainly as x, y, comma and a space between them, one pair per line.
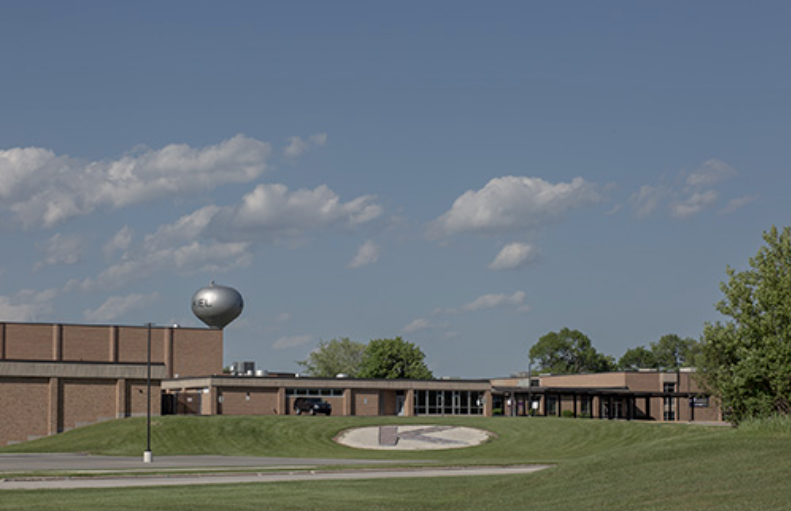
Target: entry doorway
400, 400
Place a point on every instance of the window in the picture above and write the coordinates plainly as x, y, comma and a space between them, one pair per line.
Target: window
314, 392
448, 402
585, 406
552, 405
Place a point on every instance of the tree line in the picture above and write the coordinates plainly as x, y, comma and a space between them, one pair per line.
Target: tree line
744, 361
380, 358
572, 352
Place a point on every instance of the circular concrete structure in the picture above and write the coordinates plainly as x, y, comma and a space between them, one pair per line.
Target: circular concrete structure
413, 438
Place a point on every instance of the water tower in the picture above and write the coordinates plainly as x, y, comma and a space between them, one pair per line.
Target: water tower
217, 305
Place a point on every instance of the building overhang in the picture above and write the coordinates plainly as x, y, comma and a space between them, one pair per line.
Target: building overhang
81, 370
324, 383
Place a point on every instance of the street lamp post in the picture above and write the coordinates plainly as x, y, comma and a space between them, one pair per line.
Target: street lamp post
530, 388
147, 457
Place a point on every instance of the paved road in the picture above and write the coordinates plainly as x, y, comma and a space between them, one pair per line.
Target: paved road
180, 480
79, 462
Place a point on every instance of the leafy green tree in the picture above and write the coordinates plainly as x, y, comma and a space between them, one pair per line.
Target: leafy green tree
569, 352
637, 358
672, 352
394, 358
331, 358
669, 353
746, 361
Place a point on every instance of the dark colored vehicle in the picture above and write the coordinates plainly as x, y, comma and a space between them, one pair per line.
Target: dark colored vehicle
311, 405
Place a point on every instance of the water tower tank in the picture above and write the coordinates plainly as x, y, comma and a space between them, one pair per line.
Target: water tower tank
217, 305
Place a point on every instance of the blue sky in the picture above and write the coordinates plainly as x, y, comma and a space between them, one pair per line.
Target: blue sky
467, 175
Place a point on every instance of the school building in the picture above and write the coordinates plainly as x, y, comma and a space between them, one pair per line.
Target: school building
55, 377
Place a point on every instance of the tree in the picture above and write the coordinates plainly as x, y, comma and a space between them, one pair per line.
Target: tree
672, 352
569, 352
746, 361
331, 358
669, 353
394, 358
637, 358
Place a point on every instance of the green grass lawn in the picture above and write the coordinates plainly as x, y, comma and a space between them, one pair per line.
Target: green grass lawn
600, 465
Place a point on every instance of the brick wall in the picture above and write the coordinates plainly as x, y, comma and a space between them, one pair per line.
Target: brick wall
28, 342
42, 405
189, 403
137, 397
186, 351
249, 401
133, 345
388, 398
197, 352
24, 408
86, 401
366, 403
86, 343
601, 380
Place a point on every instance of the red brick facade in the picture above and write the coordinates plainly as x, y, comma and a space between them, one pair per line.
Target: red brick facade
57, 377
185, 351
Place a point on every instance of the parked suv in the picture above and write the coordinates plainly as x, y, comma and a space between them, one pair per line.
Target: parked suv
311, 405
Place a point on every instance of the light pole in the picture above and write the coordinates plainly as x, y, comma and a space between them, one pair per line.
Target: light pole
530, 388
147, 457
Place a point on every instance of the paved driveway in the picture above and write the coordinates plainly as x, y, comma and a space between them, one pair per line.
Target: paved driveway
126, 472
79, 462
264, 477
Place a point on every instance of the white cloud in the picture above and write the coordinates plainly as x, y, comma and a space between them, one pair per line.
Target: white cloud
27, 305
514, 256
738, 203
218, 239
44, 189
647, 200
422, 324
694, 204
292, 342
416, 326
297, 145
697, 194
513, 204
491, 301
62, 249
22, 312
119, 243
368, 253
116, 306
189, 258
271, 212
709, 173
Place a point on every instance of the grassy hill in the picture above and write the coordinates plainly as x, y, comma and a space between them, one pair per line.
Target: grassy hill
600, 465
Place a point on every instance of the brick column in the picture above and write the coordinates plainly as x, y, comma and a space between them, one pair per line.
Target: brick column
488, 405
54, 420
167, 357
281, 401
213, 397
348, 400
409, 403
2, 341
120, 399
113, 340
57, 342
